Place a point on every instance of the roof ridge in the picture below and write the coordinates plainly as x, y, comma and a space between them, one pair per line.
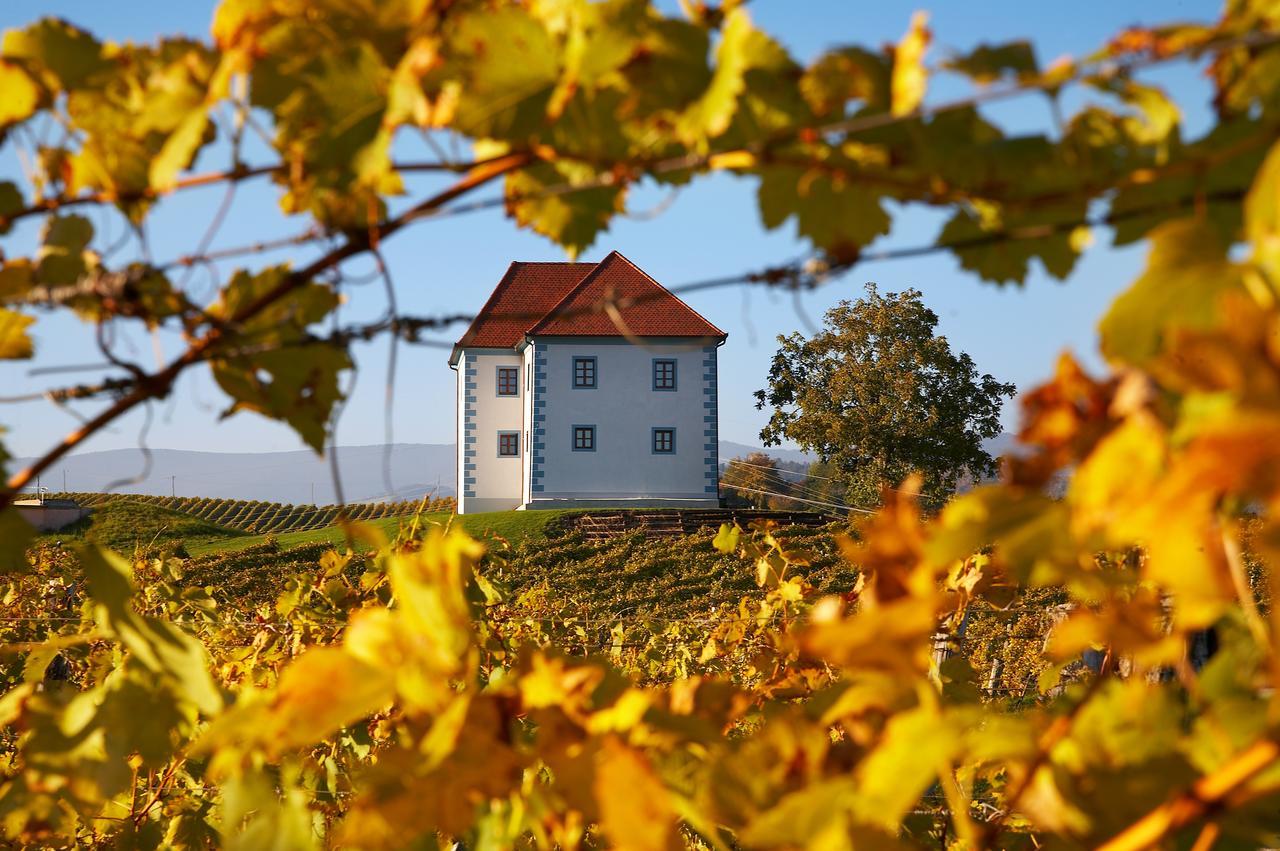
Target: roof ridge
660, 286
546, 317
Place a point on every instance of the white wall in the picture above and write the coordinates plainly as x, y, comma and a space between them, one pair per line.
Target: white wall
625, 408
489, 482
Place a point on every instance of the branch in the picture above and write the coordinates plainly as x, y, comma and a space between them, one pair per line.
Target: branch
159, 384
1207, 794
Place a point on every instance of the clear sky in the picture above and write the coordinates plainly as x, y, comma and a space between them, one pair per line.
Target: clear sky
709, 230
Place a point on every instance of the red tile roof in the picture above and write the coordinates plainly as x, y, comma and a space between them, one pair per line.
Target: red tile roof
567, 299
523, 296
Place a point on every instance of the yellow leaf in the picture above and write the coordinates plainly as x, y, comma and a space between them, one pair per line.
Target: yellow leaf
635, 807
1187, 275
909, 74
18, 94
15, 344
179, 149
903, 765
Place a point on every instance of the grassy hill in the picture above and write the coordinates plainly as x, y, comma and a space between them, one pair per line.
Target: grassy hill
124, 524
256, 517
513, 526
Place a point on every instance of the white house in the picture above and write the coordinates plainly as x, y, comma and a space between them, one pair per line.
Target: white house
585, 384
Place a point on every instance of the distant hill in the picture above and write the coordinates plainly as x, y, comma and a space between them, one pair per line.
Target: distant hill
289, 477
416, 469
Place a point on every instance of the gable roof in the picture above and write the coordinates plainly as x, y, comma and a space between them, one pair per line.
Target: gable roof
525, 294
566, 299
646, 309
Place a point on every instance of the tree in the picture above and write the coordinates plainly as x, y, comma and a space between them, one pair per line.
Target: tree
748, 480
878, 395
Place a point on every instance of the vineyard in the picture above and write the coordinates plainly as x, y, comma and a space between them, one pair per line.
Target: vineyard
1084, 654
259, 518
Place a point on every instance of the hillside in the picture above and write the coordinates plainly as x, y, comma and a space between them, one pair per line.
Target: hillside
252, 516
625, 579
125, 524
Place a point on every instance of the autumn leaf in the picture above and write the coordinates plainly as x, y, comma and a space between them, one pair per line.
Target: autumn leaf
909, 74
635, 807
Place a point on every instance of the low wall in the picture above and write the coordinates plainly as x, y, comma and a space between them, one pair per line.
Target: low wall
50, 515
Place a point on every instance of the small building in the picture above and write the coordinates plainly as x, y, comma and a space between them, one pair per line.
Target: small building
47, 515
583, 385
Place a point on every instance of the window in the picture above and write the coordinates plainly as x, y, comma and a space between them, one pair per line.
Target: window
664, 374
664, 441
508, 381
584, 372
584, 438
508, 444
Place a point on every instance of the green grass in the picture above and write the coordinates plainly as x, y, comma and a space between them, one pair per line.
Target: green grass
514, 526
124, 524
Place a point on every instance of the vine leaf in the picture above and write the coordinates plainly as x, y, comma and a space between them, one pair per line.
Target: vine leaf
158, 645
572, 220
1186, 277
62, 255
988, 64
15, 534
70, 54
837, 216
18, 94
271, 367
742, 47
15, 343
909, 74
179, 149
850, 73
1262, 215
635, 806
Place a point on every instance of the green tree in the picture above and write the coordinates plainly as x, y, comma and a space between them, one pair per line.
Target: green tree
878, 395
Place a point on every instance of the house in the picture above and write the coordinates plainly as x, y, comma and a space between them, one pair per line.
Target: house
586, 384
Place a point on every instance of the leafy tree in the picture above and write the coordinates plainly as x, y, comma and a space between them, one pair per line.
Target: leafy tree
751, 480
879, 395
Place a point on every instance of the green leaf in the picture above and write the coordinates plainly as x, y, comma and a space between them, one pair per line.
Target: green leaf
837, 216
159, 646
988, 64
15, 534
61, 259
298, 386
990, 241
15, 343
70, 53
1157, 115
1186, 276
850, 73
10, 202
179, 149
742, 47
19, 95
507, 62
572, 220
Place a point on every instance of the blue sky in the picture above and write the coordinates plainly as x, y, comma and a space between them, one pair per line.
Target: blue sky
710, 230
